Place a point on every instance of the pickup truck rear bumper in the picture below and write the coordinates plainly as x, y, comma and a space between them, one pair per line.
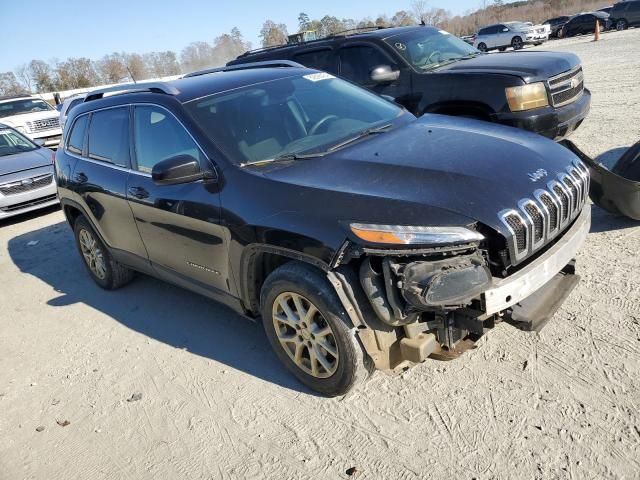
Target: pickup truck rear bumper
504, 293
551, 122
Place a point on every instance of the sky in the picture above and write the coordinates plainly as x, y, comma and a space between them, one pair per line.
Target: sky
41, 29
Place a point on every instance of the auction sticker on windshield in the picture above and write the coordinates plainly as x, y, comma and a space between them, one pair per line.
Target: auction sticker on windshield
316, 77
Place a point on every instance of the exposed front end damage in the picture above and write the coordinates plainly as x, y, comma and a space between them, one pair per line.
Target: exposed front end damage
409, 305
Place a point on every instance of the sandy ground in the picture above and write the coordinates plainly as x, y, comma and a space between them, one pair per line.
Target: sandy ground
215, 403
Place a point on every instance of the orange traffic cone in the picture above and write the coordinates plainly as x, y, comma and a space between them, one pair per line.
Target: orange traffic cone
597, 37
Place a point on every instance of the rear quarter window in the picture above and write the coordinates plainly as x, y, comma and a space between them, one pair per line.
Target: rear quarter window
76, 137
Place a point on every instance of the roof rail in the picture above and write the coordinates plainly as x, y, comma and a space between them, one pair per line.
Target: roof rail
155, 87
246, 66
343, 33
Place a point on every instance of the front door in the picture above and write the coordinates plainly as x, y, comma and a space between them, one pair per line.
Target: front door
179, 224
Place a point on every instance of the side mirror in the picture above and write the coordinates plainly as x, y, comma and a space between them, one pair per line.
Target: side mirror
384, 74
505, 29
39, 141
178, 169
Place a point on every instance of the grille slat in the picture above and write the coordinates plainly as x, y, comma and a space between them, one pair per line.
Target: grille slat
26, 185
44, 124
547, 214
566, 87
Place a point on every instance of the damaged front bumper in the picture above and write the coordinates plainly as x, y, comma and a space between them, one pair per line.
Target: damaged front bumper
403, 310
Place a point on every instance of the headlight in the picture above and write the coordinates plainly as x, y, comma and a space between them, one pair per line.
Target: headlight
408, 235
526, 97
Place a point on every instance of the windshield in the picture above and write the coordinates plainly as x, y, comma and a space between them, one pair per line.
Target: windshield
429, 48
295, 115
11, 142
24, 105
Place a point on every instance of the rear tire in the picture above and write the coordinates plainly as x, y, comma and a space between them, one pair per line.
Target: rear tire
302, 315
104, 270
482, 47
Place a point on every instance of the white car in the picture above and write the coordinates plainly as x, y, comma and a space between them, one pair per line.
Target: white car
68, 104
33, 117
510, 34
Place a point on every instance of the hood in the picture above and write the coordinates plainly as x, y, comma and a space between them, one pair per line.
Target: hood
22, 119
531, 66
19, 162
467, 168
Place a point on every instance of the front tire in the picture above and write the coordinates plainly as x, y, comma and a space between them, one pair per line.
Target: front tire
516, 43
309, 330
104, 270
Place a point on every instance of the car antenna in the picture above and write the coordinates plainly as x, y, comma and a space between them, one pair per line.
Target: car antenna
131, 75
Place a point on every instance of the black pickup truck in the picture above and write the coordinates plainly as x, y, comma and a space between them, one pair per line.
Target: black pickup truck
428, 70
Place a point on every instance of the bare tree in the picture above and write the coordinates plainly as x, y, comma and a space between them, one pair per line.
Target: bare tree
9, 84
196, 56
23, 76
419, 8
403, 18
76, 73
136, 67
273, 34
230, 45
42, 75
112, 68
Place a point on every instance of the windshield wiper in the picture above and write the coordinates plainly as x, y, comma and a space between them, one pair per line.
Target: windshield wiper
285, 157
363, 134
452, 60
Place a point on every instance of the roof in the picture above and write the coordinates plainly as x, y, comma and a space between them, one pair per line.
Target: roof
14, 97
381, 33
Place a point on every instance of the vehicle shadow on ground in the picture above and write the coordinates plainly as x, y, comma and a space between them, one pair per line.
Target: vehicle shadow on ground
154, 308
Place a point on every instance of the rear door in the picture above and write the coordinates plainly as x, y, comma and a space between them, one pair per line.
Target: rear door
99, 179
179, 224
633, 13
502, 36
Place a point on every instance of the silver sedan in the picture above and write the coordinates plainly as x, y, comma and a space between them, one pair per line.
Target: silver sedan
26, 174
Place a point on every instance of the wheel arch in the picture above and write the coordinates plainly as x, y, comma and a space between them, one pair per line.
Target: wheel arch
257, 263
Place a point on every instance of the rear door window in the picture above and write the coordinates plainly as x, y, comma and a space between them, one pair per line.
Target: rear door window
109, 136
76, 137
324, 59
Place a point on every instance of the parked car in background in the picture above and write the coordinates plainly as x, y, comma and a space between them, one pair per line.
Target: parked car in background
585, 23
427, 70
31, 116
625, 14
555, 24
225, 183
469, 38
68, 104
510, 34
26, 174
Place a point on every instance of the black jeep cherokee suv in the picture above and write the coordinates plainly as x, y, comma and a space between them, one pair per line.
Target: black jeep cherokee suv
361, 235
427, 70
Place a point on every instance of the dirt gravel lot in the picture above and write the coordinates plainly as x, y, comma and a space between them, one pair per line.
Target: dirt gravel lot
215, 403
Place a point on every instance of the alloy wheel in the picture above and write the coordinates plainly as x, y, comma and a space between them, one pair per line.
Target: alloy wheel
305, 335
92, 254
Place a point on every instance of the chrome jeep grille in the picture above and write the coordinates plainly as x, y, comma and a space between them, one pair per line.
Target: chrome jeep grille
44, 124
539, 219
566, 87
21, 186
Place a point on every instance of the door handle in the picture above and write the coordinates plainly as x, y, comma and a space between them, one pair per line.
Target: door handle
138, 192
80, 177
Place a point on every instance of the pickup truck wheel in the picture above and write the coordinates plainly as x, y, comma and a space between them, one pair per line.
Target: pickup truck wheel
104, 270
516, 43
309, 330
482, 47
